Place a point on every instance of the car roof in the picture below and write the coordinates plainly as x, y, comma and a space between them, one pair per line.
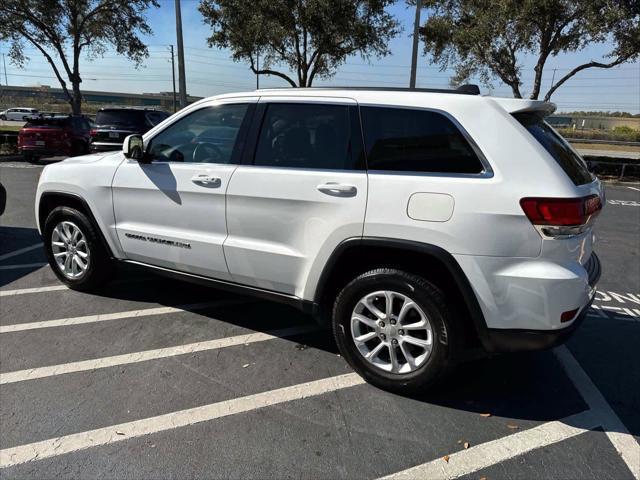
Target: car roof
438, 98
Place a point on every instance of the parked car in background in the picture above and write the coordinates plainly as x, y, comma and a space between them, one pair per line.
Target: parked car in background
112, 125
19, 114
58, 135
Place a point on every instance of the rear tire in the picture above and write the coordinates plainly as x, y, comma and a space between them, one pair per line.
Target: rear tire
423, 352
31, 158
86, 264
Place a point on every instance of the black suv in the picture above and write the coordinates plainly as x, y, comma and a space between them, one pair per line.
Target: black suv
112, 125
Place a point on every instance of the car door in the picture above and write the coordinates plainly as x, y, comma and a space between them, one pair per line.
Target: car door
301, 190
170, 212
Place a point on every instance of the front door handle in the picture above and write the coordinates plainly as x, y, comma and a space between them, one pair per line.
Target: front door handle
207, 180
338, 189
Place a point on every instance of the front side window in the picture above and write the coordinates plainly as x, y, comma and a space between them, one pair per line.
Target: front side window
207, 135
410, 140
305, 136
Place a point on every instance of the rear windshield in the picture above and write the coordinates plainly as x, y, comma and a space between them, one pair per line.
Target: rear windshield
48, 122
120, 117
559, 149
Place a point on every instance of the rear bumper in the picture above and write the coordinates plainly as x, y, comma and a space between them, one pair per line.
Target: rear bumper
40, 151
498, 340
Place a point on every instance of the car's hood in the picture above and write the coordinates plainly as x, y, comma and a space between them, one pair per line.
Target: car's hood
94, 157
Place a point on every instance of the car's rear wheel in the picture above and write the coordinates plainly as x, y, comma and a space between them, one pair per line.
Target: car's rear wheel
74, 249
30, 157
395, 329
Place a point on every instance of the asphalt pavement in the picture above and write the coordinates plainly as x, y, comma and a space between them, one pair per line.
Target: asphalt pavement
155, 378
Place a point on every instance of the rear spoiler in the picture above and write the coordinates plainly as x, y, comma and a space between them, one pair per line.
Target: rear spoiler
517, 105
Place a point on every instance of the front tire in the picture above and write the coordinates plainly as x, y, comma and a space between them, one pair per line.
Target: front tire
395, 329
74, 250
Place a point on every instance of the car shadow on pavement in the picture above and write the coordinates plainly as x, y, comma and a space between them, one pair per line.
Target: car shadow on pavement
13, 239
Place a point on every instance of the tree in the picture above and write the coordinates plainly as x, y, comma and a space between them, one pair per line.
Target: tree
310, 37
488, 39
63, 29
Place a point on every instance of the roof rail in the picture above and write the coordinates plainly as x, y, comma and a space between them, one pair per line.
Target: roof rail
467, 89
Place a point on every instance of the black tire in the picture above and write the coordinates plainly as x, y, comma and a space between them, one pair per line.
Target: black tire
432, 302
78, 148
29, 157
99, 268
3, 117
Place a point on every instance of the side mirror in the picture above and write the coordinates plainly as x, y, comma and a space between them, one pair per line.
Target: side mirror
133, 147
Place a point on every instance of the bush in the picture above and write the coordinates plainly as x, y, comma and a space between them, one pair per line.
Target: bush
626, 135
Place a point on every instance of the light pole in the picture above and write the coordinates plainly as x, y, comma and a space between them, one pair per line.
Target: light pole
414, 53
182, 82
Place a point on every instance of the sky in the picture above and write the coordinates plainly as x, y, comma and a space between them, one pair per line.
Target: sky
212, 71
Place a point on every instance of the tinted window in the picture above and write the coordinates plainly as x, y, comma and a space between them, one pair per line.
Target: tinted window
305, 136
120, 118
58, 122
409, 140
156, 117
553, 143
204, 136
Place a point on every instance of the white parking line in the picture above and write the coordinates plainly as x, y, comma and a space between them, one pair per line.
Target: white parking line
618, 434
22, 265
490, 453
169, 421
634, 188
23, 291
19, 252
136, 357
145, 312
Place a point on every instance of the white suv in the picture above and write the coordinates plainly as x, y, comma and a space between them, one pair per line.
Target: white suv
421, 225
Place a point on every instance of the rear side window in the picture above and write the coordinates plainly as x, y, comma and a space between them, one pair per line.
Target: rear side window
305, 136
410, 140
575, 168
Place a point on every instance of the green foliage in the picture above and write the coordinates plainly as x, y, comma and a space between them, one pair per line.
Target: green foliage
625, 130
62, 30
619, 136
600, 114
489, 39
308, 37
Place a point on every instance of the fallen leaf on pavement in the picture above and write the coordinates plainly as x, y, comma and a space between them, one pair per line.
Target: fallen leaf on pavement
118, 432
446, 458
246, 365
512, 426
466, 445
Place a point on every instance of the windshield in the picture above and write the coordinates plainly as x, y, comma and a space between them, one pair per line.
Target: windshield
48, 122
572, 164
120, 117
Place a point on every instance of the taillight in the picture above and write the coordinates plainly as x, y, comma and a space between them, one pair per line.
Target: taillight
561, 217
93, 132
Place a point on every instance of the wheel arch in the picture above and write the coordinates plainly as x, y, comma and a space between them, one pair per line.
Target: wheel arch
357, 255
51, 200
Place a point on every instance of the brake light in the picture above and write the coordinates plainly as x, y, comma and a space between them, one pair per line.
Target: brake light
558, 217
93, 132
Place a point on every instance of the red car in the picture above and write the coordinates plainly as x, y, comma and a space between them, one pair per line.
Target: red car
59, 135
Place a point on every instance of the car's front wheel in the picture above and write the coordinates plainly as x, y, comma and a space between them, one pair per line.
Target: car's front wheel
74, 250
395, 329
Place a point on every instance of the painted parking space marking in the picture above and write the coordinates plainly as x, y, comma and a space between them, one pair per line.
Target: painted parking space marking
145, 312
137, 357
170, 421
624, 203
615, 430
616, 306
491, 453
22, 265
24, 291
634, 188
20, 251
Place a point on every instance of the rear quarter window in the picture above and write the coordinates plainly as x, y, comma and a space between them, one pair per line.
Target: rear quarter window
413, 140
571, 163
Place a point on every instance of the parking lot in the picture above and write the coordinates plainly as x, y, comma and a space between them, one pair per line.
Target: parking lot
154, 378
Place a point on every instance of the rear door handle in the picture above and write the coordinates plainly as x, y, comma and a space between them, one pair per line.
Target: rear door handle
206, 180
338, 189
